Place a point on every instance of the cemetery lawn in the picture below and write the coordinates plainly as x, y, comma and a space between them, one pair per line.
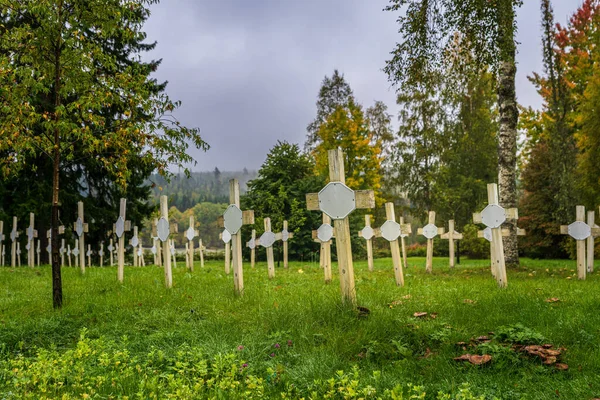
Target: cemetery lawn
291, 337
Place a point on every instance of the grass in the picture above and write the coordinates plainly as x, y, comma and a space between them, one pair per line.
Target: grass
293, 330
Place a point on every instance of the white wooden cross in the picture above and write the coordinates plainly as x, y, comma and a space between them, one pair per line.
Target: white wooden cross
337, 200
403, 244
14, 234
580, 231
101, 254
37, 252
233, 219
62, 251
493, 216
140, 254
173, 255
80, 228
590, 242
285, 236
111, 249
487, 235
451, 236
201, 249
157, 244
69, 253
31, 234
134, 242
75, 252
252, 245
2, 243
89, 255
190, 234
61, 230
391, 231
163, 229
323, 235
18, 254
367, 233
266, 240
120, 227
225, 236
430, 231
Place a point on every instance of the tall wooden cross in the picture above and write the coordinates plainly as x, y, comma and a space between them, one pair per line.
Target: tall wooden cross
101, 254
233, 219
430, 231
173, 253
75, 252
251, 244
493, 216
80, 228
590, 242
111, 249
2, 243
37, 252
285, 236
163, 229
403, 244
487, 235
337, 200
323, 235
190, 234
225, 236
62, 251
266, 240
14, 234
140, 254
451, 236
580, 231
134, 242
31, 234
158, 244
89, 255
120, 227
367, 233
18, 254
391, 231
201, 249
69, 253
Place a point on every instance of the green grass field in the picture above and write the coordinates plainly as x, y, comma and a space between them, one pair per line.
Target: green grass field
290, 337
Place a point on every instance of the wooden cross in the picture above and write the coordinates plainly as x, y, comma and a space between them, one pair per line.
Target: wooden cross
163, 230
252, 246
61, 230
430, 231
80, 228
493, 216
134, 242
75, 252
266, 240
101, 254
120, 227
367, 233
157, 243
323, 235
14, 234
391, 231
487, 235
62, 251
110, 249
69, 253
190, 234
89, 255
140, 254
451, 236
173, 253
337, 200
18, 254
580, 231
232, 220
590, 242
225, 236
403, 244
201, 249
285, 236
37, 251
31, 234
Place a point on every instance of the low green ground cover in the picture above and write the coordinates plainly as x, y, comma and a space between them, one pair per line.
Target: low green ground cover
290, 337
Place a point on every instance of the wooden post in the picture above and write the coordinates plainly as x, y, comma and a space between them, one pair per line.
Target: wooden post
163, 235
80, 228
227, 252
62, 252
403, 243
252, 245
391, 231
69, 253
134, 242
142, 262
173, 253
89, 255
75, 253
451, 236
325, 250
110, 249
367, 234
580, 231
338, 201
201, 249
285, 236
270, 258
120, 227
101, 254
430, 231
37, 251
590, 242
159, 253
187, 255
14, 234
31, 234
18, 254
190, 234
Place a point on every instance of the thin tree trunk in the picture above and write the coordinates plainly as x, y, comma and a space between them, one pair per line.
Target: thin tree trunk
507, 136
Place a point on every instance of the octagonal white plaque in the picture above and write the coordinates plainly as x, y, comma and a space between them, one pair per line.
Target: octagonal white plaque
30, 233
101, 253
75, 251
579, 230
251, 244
226, 236
79, 227
285, 235
135, 241
49, 248
119, 227
493, 216
27, 246
267, 239
110, 247
153, 249
139, 252
430, 231
367, 232
62, 250
337, 200
162, 229
390, 230
325, 232
88, 253
190, 234
13, 236
233, 219
487, 234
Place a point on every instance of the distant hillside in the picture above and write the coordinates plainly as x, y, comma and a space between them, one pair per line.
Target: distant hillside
212, 187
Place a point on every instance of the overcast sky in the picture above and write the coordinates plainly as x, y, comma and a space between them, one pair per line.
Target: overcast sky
248, 71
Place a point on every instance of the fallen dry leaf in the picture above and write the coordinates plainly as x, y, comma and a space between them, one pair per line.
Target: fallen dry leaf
419, 314
468, 301
552, 300
475, 359
562, 367
433, 315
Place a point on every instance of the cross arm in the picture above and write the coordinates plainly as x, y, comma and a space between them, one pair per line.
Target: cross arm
364, 199
312, 201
